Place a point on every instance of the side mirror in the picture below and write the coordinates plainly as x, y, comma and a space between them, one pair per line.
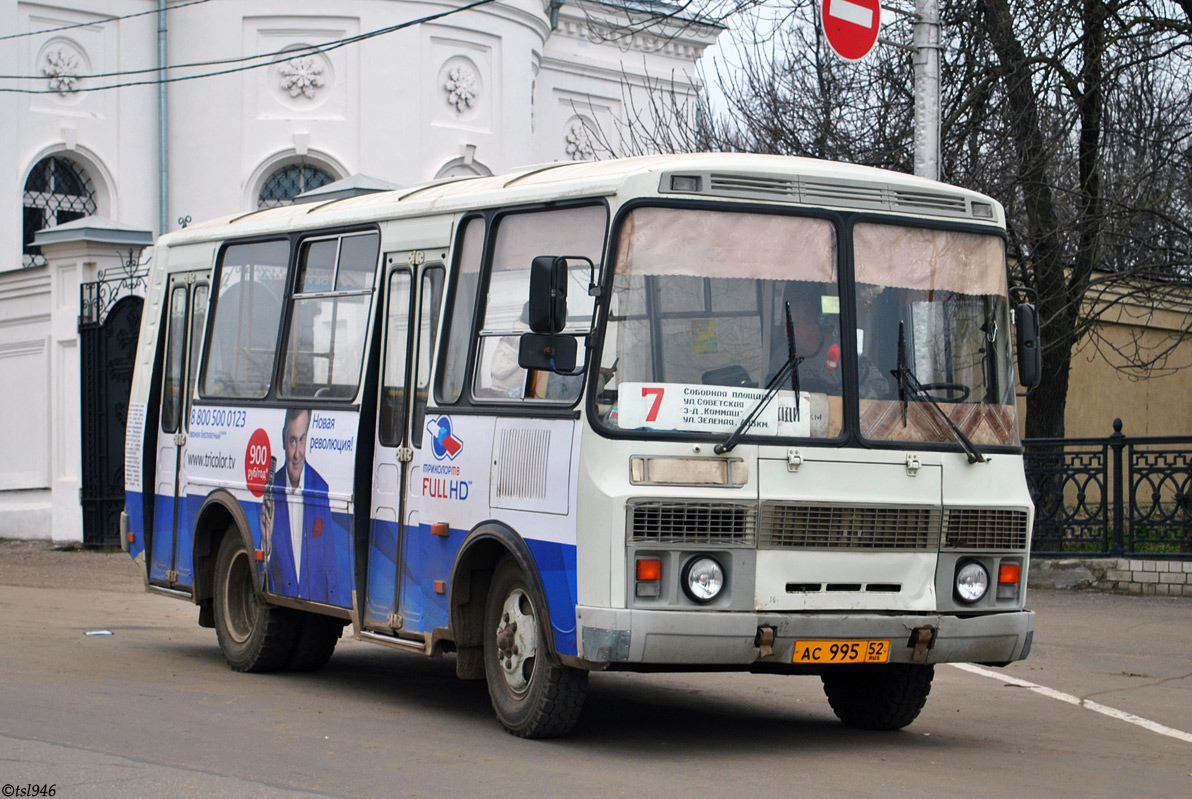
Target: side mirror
547, 351
1030, 363
548, 294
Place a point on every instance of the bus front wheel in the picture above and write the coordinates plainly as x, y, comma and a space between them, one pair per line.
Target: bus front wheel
533, 697
878, 697
253, 635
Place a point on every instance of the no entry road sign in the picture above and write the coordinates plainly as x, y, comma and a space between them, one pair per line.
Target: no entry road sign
851, 26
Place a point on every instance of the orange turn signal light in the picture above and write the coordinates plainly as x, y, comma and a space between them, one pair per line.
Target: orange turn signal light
441, 529
1008, 573
649, 570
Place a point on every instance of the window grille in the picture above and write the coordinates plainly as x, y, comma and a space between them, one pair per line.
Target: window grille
288, 182
57, 191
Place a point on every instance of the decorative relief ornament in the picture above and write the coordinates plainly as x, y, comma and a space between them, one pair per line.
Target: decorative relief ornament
302, 76
62, 68
579, 141
462, 88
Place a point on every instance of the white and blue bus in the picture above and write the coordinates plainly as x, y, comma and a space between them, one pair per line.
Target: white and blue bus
720, 412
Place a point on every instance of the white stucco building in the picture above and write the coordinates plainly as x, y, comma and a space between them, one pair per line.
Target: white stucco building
264, 99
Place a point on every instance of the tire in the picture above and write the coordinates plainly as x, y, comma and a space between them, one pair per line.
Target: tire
253, 635
532, 696
314, 641
878, 697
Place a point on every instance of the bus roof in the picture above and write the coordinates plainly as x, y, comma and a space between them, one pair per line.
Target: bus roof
770, 178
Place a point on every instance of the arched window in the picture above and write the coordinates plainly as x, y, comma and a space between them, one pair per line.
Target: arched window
287, 182
57, 190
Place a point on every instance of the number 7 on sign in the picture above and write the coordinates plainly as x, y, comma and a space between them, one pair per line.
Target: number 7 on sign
656, 393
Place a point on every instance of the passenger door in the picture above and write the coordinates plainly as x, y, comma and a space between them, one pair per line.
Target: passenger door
405, 380
171, 556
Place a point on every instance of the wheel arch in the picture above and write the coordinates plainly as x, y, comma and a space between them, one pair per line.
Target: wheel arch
472, 574
219, 514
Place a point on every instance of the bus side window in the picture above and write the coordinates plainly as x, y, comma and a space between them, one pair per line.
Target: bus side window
463, 307
393, 387
171, 393
250, 285
520, 237
430, 301
198, 315
329, 316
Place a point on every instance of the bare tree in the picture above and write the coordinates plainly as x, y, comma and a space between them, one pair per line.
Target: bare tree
1090, 232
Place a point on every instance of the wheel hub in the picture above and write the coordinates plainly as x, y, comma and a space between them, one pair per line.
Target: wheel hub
517, 640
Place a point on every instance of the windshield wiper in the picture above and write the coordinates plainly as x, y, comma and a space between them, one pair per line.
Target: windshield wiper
909, 388
791, 368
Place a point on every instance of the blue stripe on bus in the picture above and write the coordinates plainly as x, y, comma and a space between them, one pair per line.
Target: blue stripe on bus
382, 571
162, 555
556, 568
427, 558
134, 506
161, 548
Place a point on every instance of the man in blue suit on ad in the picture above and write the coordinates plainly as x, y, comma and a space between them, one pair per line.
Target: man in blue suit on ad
307, 551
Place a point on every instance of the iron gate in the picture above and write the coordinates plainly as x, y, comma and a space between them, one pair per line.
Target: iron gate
1118, 495
109, 322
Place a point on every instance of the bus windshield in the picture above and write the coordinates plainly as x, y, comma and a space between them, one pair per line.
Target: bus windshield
707, 306
931, 306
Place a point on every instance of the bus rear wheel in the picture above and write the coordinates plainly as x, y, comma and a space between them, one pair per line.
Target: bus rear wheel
314, 641
253, 635
532, 696
878, 697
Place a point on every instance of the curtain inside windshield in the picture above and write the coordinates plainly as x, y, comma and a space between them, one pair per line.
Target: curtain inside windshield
932, 311
698, 323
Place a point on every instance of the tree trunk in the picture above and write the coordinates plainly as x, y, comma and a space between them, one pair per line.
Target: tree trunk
1046, 406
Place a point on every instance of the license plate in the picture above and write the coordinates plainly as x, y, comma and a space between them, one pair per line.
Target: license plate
868, 651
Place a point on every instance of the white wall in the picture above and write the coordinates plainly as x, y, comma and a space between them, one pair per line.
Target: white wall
25, 350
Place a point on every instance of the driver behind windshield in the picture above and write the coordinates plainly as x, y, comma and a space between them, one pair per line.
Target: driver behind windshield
816, 342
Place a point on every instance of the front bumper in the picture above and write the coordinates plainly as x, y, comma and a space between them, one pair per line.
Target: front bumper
614, 636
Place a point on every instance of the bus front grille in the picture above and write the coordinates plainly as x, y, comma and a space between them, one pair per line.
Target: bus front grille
985, 528
702, 523
787, 525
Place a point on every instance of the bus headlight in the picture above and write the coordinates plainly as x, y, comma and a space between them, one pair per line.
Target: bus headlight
702, 579
972, 582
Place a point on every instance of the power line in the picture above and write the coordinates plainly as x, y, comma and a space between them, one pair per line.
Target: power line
325, 47
97, 22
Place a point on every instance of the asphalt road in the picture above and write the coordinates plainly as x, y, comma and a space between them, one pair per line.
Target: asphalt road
151, 710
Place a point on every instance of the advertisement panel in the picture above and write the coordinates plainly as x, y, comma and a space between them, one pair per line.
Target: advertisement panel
291, 469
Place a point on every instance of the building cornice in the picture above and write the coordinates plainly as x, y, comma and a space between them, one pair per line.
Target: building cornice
635, 80
635, 32
524, 14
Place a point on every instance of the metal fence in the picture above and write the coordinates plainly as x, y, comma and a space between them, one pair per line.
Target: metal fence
1118, 495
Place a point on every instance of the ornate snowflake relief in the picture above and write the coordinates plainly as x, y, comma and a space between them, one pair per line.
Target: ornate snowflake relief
579, 141
462, 87
62, 68
302, 77
301, 81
